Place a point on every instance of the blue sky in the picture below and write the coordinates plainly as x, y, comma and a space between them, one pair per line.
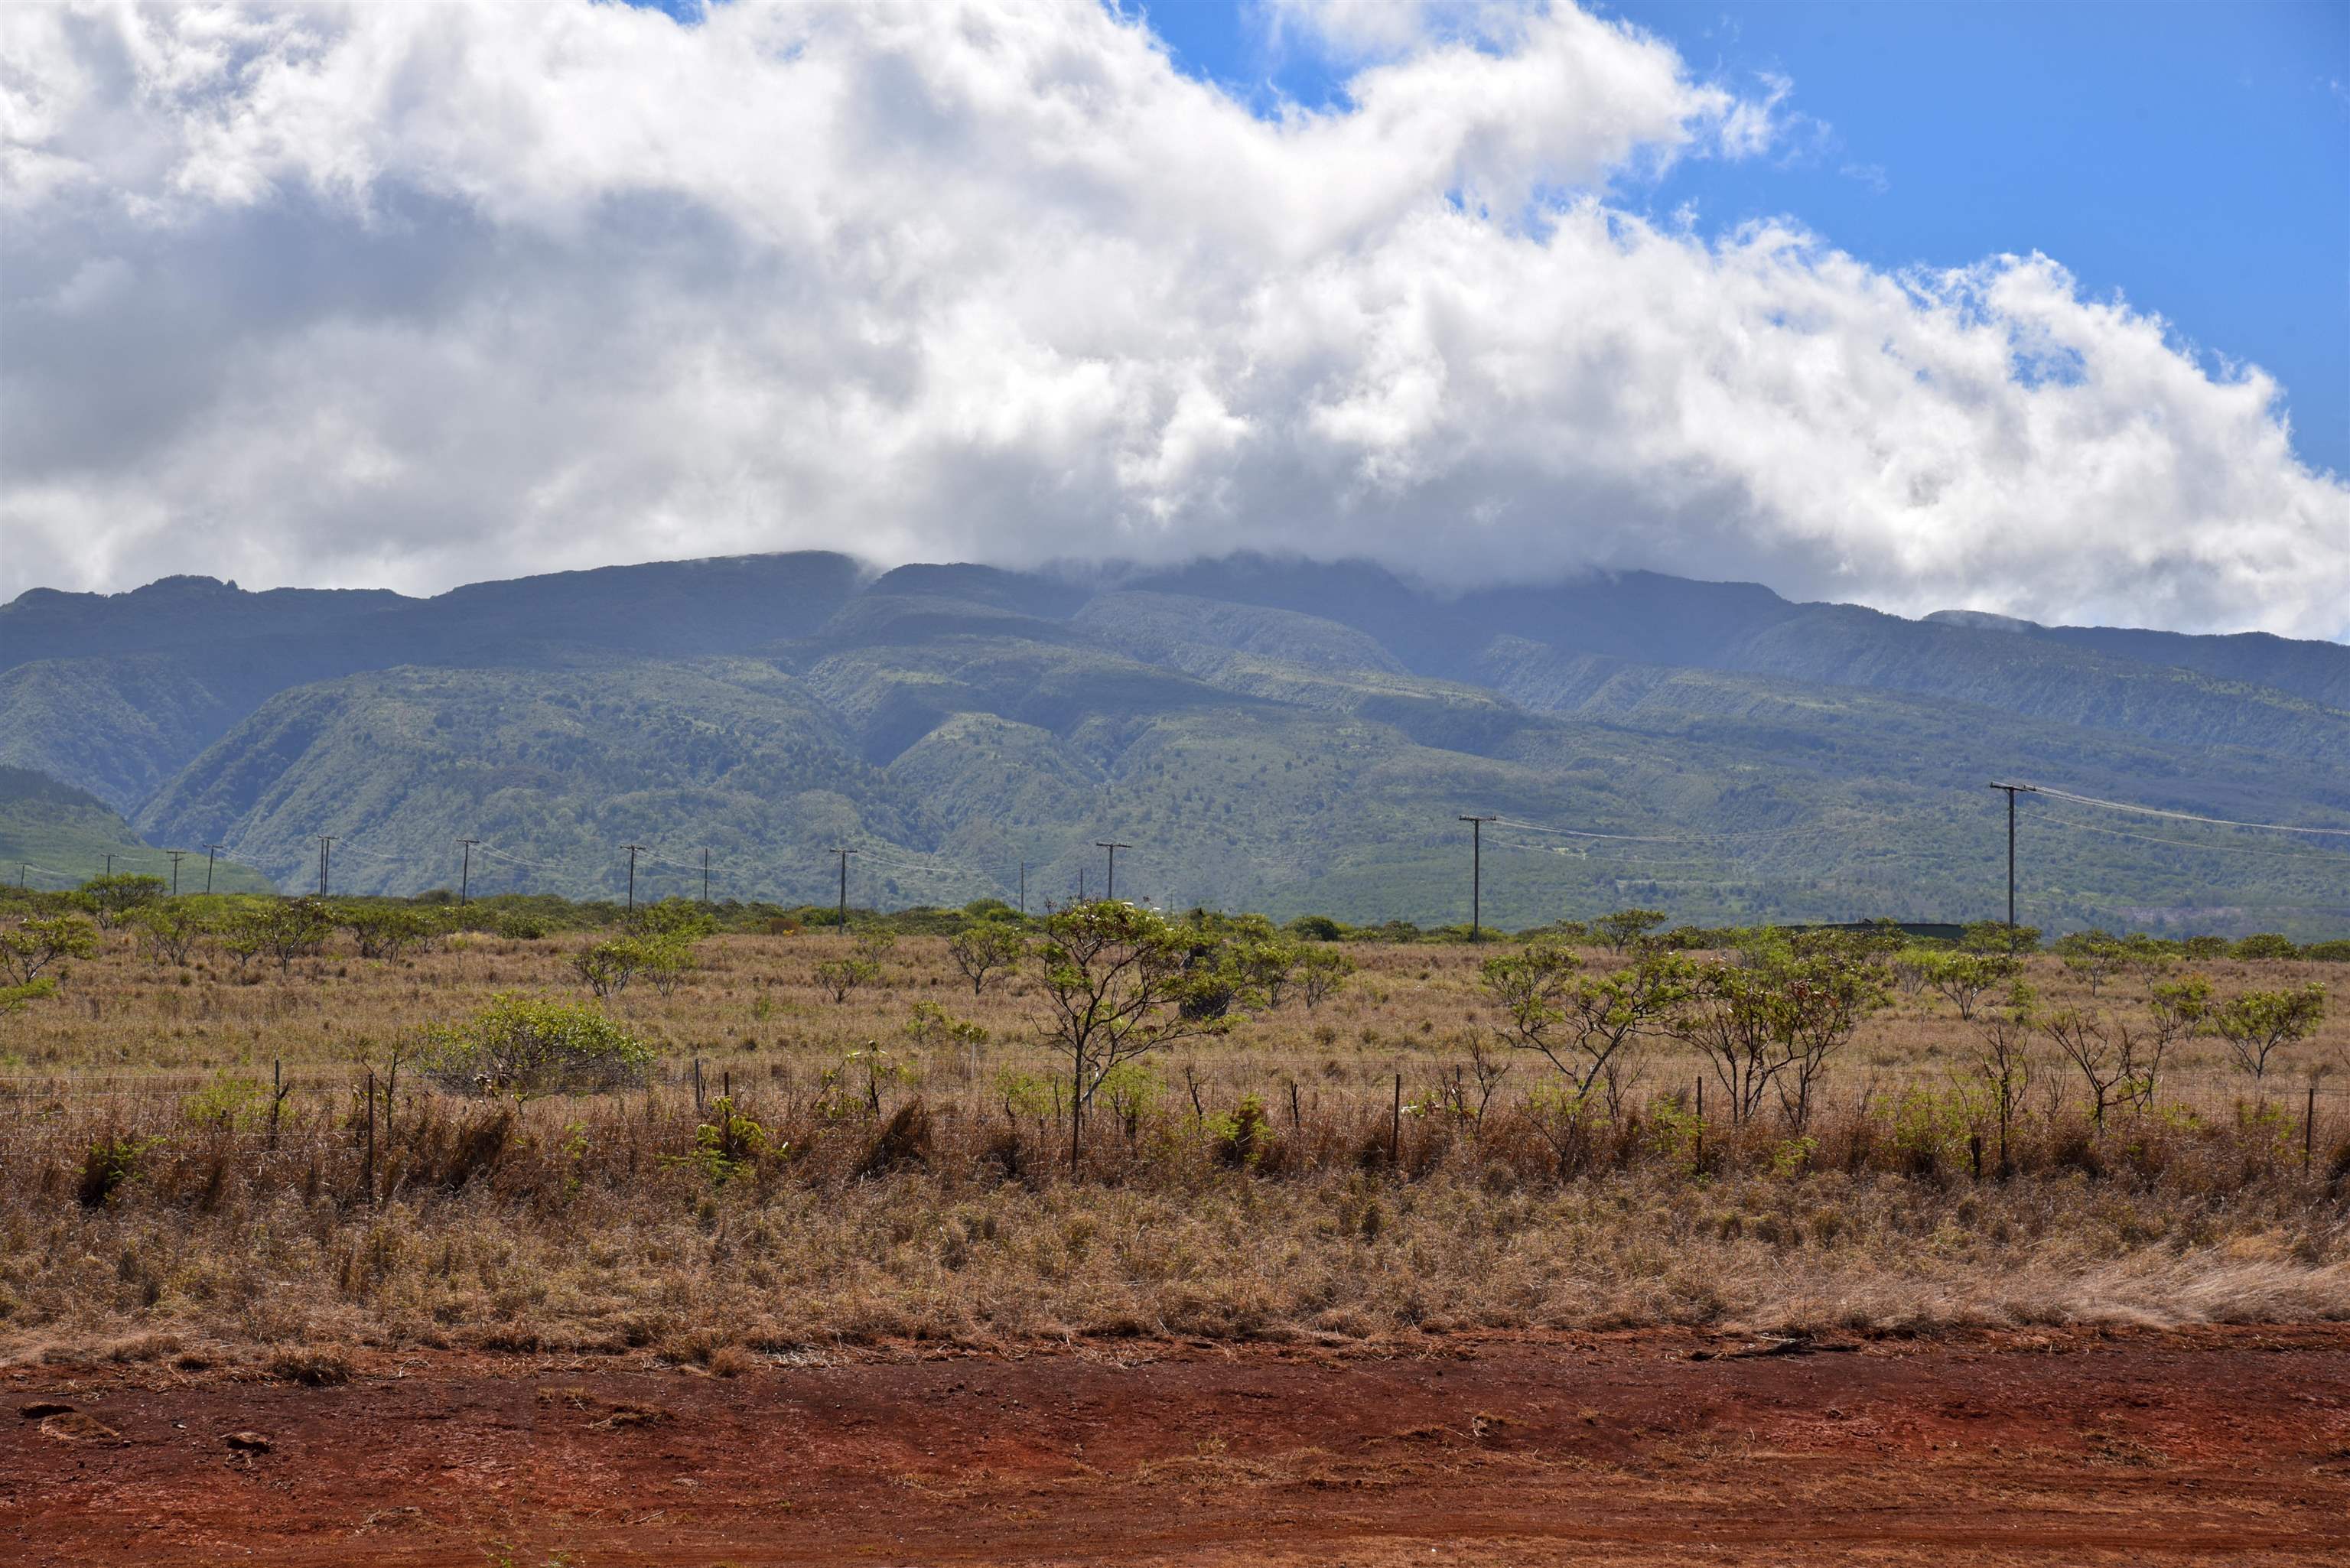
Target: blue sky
2194, 157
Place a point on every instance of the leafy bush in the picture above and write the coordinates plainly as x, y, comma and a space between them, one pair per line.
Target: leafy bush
168, 930
31, 946
112, 898
111, 1161
535, 1045
2335, 951
2266, 945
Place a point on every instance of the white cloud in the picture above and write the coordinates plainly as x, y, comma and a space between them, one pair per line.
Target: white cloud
418, 295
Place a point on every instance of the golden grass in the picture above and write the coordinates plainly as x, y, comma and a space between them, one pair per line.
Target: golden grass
581, 1225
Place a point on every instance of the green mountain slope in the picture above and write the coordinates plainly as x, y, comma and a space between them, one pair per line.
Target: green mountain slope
1283, 735
52, 836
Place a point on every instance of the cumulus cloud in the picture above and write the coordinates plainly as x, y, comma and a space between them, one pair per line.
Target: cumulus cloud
419, 295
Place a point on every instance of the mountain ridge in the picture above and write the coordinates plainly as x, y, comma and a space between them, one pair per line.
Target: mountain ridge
1304, 732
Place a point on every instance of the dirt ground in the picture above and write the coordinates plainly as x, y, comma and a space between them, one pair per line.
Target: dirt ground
1644, 1447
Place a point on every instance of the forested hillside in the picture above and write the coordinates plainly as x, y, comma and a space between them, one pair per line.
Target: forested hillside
1278, 734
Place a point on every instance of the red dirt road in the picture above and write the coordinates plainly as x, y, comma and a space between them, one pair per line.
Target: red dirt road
2204, 1446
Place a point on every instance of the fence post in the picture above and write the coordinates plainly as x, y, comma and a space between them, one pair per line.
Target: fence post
1395, 1128
369, 1175
2308, 1123
697, 1086
1699, 1162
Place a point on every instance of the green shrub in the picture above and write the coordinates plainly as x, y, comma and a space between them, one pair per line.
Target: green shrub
535, 1045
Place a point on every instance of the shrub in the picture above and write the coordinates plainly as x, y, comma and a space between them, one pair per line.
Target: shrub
112, 898
111, 1161
535, 1045
985, 948
31, 946
2338, 951
2266, 945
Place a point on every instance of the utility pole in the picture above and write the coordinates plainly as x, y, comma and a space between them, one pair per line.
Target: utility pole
844, 855
705, 878
1476, 873
2013, 791
177, 856
633, 851
23, 866
210, 851
1110, 890
465, 871
1024, 889
1081, 884
325, 861
110, 865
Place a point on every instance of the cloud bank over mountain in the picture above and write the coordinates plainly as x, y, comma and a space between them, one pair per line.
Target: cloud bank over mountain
414, 295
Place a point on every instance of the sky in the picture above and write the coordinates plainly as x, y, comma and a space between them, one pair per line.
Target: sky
2032, 308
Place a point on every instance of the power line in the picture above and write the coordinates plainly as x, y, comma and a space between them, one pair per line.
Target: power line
2179, 816
2300, 855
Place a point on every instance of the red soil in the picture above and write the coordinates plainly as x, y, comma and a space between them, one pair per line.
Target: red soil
2201, 1446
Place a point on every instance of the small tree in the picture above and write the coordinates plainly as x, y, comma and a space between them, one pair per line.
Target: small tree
606, 967
168, 930
385, 930
2003, 1065
667, 958
1999, 937
1961, 978
1625, 927
2092, 954
1582, 1025
844, 974
294, 928
243, 935
984, 947
2266, 945
29, 947
112, 898
2109, 1057
2258, 1024
1322, 973
1117, 982
2178, 1009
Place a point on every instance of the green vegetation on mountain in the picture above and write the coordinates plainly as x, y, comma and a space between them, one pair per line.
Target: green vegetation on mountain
52, 836
1271, 734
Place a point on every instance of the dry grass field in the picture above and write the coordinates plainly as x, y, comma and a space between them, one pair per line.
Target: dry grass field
1373, 1169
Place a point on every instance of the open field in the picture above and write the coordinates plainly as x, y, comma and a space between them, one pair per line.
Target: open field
1334, 1175
1336, 1285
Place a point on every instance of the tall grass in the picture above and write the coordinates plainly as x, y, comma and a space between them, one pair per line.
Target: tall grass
155, 1192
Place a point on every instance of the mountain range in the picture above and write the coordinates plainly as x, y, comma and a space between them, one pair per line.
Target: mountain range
1268, 733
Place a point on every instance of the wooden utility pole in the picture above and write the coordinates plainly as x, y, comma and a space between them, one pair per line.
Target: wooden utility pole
1476, 873
211, 851
326, 862
177, 856
705, 878
1111, 888
2013, 791
844, 855
1024, 889
465, 871
633, 849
